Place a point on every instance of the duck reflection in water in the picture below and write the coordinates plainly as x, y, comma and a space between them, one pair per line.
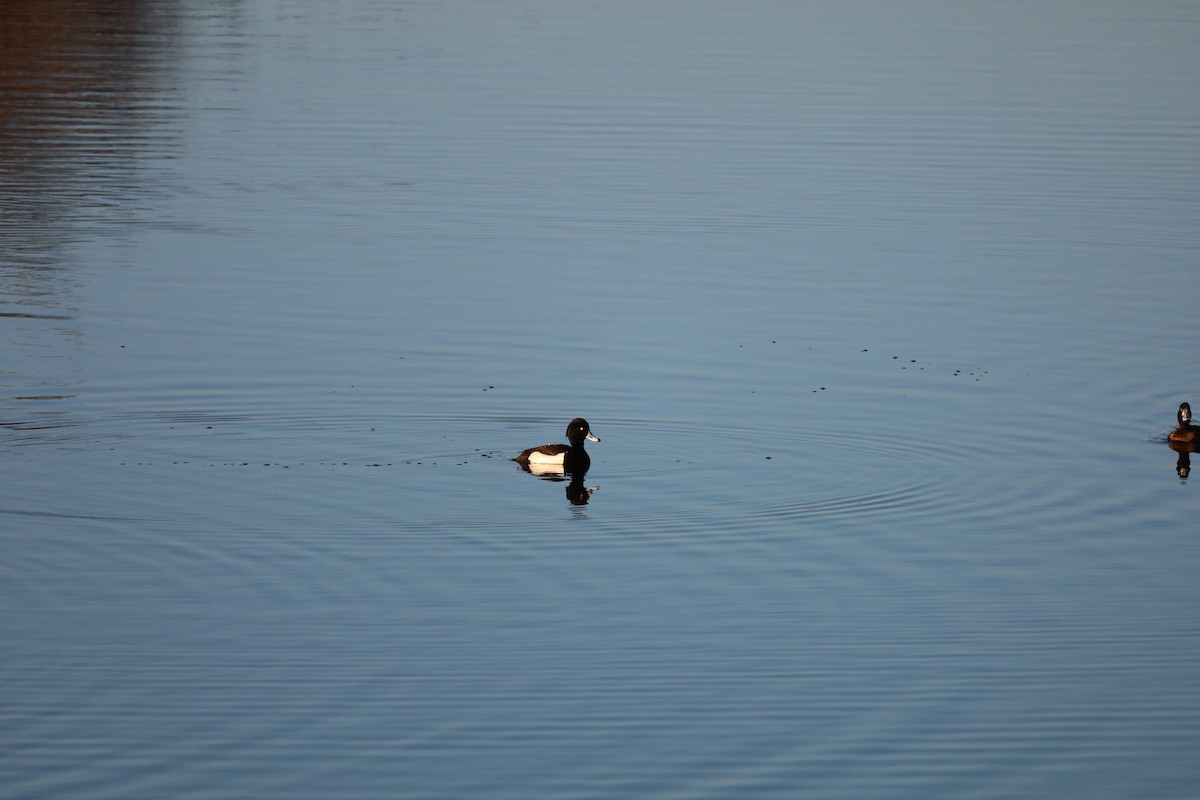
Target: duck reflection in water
577, 493
555, 462
1184, 440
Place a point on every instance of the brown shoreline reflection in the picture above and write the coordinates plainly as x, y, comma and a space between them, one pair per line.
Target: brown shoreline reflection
84, 94
88, 108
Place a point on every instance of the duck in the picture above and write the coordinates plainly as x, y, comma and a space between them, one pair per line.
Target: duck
568, 457
1185, 433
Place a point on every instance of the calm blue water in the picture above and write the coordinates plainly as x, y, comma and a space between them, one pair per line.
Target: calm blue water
882, 311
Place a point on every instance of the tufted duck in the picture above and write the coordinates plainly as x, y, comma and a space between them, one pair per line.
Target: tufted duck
1185, 433
571, 458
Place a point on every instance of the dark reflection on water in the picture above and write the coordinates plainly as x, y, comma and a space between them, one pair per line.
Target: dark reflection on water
88, 109
1183, 464
1183, 461
85, 94
578, 494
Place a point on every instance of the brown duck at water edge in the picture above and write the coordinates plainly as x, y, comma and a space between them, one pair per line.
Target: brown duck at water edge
568, 457
1185, 433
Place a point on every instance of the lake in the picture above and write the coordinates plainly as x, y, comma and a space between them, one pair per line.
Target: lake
881, 311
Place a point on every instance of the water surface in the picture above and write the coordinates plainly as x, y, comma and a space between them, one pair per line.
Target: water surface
882, 313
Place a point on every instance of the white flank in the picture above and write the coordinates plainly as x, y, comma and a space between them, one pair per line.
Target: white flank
541, 458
